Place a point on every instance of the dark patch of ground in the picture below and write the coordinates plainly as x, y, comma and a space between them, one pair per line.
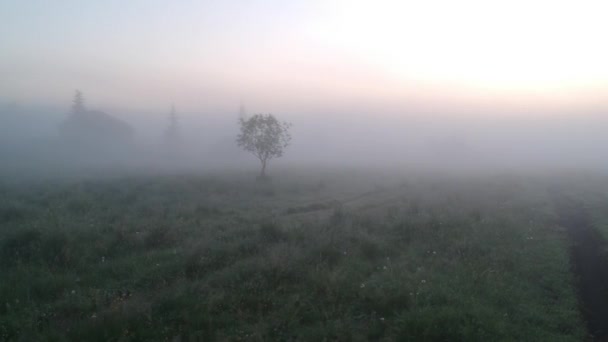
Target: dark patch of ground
590, 263
312, 207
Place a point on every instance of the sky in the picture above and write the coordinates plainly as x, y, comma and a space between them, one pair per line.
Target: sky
388, 56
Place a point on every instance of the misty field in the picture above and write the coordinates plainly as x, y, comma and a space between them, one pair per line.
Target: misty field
330, 257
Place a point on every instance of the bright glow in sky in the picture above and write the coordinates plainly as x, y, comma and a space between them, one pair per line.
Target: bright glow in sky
516, 44
149, 53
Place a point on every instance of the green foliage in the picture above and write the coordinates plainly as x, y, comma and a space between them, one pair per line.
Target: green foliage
211, 258
263, 136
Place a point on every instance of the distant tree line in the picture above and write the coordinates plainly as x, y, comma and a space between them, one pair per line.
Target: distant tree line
262, 135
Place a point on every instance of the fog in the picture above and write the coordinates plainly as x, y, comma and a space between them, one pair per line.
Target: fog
389, 86
440, 141
310, 170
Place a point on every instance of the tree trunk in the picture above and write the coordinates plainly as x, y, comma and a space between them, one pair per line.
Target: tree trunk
263, 172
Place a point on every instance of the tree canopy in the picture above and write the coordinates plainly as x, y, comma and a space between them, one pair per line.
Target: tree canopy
264, 136
78, 106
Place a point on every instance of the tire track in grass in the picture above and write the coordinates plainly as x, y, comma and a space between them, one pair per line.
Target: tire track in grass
590, 264
360, 202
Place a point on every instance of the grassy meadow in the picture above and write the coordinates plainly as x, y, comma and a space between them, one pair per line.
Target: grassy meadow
337, 256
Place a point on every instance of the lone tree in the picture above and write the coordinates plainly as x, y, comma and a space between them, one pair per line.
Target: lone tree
78, 107
263, 136
172, 132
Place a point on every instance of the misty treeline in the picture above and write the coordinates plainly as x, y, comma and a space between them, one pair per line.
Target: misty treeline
94, 138
79, 137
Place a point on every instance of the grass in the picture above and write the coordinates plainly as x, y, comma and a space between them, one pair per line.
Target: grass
591, 194
334, 258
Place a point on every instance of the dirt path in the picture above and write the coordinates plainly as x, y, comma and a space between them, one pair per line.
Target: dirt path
366, 201
590, 263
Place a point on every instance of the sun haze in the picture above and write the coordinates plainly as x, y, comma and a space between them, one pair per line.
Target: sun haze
376, 51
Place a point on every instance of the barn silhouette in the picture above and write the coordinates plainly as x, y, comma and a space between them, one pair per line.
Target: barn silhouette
95, 132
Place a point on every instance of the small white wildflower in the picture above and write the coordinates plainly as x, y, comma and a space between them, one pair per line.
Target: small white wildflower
423, 281
94, 315
103, 259
384, 267
411, 293
434, 252
362, 285
382, 318
73, 291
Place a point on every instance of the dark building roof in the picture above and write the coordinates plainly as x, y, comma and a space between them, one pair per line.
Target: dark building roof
96, 127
